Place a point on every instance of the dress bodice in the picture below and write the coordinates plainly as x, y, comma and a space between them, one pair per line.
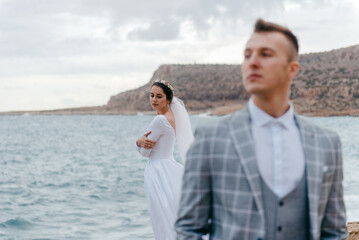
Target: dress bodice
163, 133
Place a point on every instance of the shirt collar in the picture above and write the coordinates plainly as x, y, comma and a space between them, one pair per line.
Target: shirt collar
261, 118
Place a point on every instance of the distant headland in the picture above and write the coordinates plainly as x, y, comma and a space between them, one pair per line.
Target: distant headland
327, 85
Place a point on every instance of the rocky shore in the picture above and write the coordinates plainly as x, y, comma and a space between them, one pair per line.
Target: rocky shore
353, 231
214, 111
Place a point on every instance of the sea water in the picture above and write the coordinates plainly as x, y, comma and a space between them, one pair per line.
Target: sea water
81, 177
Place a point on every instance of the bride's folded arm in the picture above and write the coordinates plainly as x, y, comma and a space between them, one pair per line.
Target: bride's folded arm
157, 129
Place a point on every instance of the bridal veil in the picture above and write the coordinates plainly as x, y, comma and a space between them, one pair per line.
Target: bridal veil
184, 133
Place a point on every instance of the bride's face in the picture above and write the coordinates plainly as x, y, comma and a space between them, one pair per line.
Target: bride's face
158, 99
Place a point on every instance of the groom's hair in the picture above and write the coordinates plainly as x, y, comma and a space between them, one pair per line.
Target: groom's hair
263, 26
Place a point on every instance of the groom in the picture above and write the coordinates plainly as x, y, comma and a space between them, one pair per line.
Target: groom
264, 172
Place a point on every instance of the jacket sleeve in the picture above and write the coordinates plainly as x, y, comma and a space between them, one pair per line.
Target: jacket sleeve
157, 129
194, 211
334, 220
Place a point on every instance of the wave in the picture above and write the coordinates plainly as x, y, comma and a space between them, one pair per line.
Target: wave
18, 223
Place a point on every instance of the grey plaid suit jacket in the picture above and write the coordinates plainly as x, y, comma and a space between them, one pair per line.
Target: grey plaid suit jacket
221, 192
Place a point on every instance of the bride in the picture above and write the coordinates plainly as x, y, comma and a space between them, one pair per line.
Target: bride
163, 175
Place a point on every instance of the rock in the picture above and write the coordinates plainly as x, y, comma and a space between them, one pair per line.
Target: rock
353, 231
327, 84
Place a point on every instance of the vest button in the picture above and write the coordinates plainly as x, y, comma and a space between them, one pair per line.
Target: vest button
281, 203
279, 228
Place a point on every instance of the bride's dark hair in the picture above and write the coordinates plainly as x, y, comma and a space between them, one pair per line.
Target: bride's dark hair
166, 89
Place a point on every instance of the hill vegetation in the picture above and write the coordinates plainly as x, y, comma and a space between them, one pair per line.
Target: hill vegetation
327, 84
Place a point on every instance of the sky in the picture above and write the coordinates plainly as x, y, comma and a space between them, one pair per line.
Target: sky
73, 53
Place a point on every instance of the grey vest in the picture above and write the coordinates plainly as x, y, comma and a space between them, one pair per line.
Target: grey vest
287, 217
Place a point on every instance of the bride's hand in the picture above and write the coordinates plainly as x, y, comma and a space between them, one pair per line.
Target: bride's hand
144, 142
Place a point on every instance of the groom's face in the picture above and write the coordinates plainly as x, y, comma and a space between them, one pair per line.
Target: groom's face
266, 69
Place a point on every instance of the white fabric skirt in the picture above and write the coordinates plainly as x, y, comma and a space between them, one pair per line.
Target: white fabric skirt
163, 181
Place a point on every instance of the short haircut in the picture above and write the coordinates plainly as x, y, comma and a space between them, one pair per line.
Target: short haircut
263, 26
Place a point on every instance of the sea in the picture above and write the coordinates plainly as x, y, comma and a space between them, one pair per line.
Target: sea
81, 177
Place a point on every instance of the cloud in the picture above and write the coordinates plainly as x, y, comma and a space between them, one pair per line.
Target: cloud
322, 25
164, 21
48, 23
166, 29
65, 45
52, 29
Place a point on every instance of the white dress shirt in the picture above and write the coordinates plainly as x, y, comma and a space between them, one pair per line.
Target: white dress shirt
278, 149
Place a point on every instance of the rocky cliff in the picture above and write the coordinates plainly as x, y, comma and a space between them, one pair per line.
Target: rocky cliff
327, 84
201, 87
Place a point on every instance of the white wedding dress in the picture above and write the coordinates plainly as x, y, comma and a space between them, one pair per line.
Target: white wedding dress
163, 179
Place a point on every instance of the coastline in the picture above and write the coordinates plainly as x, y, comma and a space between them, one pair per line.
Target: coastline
214, 111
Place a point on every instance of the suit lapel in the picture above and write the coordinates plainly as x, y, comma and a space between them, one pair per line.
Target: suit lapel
240, 130
313, 171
